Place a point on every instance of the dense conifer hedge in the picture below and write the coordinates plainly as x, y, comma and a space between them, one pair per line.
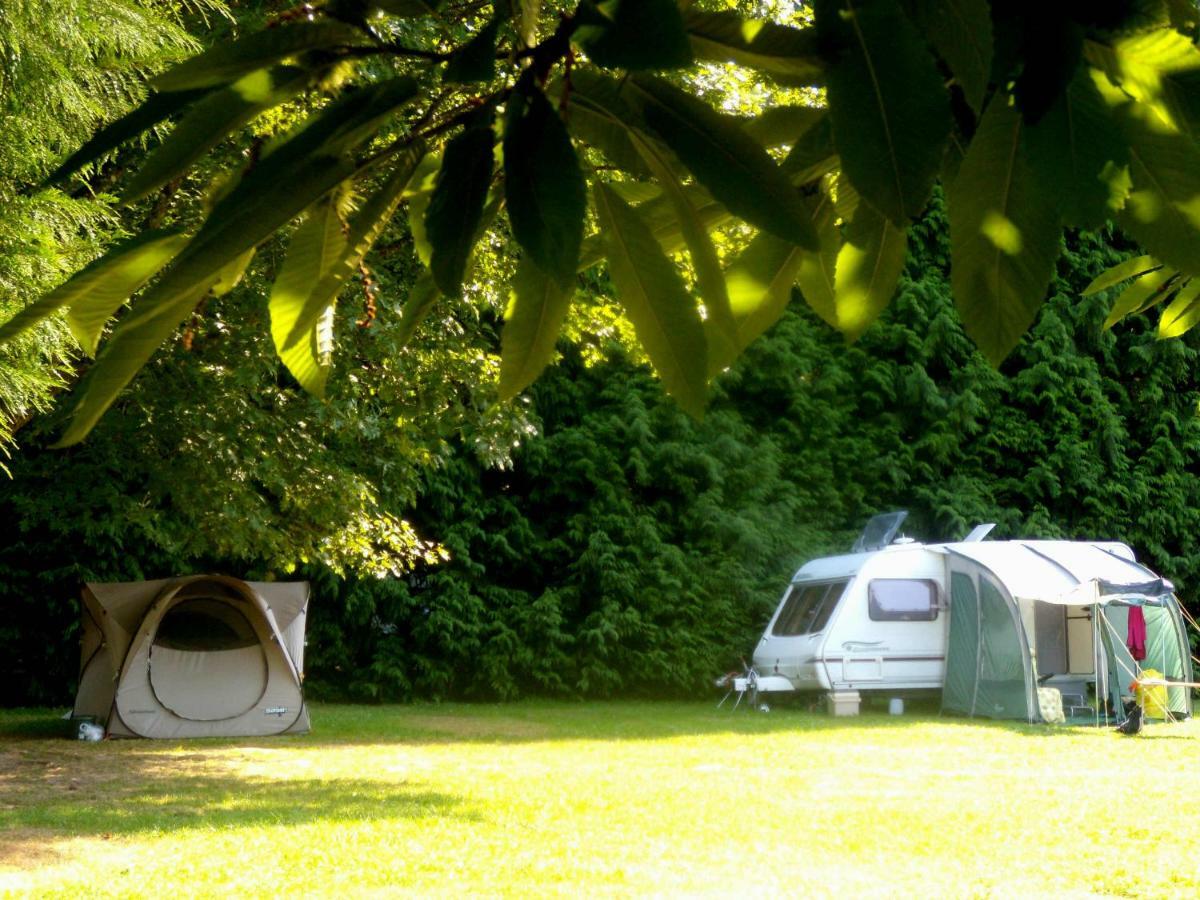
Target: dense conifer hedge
630, 550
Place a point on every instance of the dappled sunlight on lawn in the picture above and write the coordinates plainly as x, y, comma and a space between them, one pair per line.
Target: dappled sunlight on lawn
626, 798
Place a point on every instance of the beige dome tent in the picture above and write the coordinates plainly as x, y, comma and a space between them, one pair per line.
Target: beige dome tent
201, 656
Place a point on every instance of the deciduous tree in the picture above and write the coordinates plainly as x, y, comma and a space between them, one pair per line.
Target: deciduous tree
570, 128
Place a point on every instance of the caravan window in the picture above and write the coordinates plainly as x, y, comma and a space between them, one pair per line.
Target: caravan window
807, 608
903, 600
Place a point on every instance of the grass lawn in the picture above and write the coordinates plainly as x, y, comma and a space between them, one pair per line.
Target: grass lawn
603, 799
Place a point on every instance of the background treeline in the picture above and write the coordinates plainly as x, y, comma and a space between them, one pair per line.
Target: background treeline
628, 549
587, 540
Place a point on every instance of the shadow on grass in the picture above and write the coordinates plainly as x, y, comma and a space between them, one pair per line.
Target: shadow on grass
540, 721
518, 722
34, 724
1162, 737
536, 721
130, 801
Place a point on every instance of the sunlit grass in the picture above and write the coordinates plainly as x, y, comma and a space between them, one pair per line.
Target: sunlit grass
621, 798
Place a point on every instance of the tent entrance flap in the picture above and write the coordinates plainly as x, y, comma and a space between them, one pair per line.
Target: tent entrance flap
234, 681
989, 671
1166, 652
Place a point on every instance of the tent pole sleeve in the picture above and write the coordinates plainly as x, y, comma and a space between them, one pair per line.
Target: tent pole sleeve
1096, 668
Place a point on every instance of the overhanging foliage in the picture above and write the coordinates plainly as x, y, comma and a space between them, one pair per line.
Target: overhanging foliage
1034, 117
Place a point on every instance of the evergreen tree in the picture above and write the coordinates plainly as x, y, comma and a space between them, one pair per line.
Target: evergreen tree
632, 550
64, 72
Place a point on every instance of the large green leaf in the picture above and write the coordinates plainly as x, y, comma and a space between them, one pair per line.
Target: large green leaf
779, 125
424, 293
655, 300
659, 215
596, 127
961, 32
1080, 156
709, 277
845, 198
421, 298
91, 311
231, 274
457, 203
136, 337
639, 192
98, 290
476, 60
425, 176
537, 306
869, 265
301, 169
258, 206
544, 188
1184, 312
1161, 213
889, 109
316, 247
633, 34
734, 167
760, 287
816, 274
1145, 292
813, 156
1160, 68
1004, 235
599, 116
956, 152
363, 232
210, 120
229, 61
788, 54
157, 108
342, 126
1122, 271
247, 216
418, 207
293, 174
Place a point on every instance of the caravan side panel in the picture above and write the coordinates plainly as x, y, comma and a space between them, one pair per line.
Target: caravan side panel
889, 631
886, 630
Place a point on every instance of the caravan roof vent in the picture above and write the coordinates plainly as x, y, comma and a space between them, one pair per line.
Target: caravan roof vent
979, 532
879, 531
903, 539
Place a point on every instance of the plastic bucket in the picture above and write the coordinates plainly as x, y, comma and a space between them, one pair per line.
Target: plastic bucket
1152, 697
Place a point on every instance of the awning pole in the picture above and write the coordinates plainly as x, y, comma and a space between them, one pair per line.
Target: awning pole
1096, 669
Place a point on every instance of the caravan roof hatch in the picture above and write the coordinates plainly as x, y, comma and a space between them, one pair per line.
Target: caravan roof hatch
879, 531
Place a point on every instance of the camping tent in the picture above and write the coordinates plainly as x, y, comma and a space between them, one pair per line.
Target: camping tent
200, 656
1027, 613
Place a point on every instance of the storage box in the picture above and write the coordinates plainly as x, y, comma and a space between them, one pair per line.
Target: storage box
843, 703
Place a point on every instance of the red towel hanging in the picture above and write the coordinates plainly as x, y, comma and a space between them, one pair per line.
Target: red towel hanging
1136, 639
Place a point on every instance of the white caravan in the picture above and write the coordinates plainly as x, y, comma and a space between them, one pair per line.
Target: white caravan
877, 619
